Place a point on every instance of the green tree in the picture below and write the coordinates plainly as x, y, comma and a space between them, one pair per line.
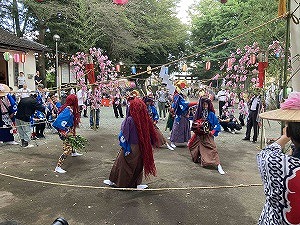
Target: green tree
214, 23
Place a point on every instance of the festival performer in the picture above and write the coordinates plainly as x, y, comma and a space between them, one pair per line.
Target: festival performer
66, 123
280, 172
154, 116
181, 132
6, 116
202, 146
136, 138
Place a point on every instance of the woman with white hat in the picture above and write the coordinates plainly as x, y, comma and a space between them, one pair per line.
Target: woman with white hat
280, 172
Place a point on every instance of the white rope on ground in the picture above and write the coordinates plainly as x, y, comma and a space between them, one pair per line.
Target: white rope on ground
132, 189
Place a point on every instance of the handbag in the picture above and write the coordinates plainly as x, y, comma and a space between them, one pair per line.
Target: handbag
238, 126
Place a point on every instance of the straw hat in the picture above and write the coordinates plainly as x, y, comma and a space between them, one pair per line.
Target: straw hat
289, 110
135, 93
4, 90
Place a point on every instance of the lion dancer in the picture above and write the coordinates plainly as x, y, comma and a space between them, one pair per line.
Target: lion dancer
181, 131
66, 123
154, 116
202, 146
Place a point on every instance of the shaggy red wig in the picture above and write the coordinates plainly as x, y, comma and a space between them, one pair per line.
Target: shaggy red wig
146, 134
72, 101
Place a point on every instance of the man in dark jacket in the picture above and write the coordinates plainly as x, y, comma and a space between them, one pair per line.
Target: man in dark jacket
255, 106
26, 108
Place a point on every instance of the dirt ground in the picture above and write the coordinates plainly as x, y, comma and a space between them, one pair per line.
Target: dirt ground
182, 193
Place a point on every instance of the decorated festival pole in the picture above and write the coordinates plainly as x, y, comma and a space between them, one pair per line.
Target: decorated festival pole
262, 66
287, 47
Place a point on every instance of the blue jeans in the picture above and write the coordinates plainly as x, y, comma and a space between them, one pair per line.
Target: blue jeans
94, 113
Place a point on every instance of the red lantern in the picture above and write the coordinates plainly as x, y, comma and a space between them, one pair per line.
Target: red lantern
261, 73
120, 2
252, 58
229, 63
89, 68
23, 57
207, 65
118, 69
16, 58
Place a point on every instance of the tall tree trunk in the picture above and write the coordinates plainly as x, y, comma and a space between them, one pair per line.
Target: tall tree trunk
15, 14
41, 58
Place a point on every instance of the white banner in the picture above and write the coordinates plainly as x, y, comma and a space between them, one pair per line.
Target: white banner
295, 46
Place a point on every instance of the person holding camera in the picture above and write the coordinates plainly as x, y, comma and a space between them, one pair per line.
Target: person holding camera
280, 172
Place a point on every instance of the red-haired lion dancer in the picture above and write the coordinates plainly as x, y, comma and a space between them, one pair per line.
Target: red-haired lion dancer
137, 136
67, 120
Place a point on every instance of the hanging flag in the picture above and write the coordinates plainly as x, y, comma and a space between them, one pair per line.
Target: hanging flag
261, 73
16, 58
118, 68
23, 57
229, 63
89, 68
162, 71
167, 70
207, 65
120, 2
133, 70
252, 58
281, 7
149, 69
6, 56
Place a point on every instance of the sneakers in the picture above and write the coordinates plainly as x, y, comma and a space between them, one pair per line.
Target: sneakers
233, 132
220, 169
75, 154
142, 186
12, 143
169, 147
28, 146
246, 139
58, 169
108, 182
173, 145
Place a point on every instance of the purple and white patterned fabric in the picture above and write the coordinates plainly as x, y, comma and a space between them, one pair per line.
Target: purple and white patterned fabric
280, 174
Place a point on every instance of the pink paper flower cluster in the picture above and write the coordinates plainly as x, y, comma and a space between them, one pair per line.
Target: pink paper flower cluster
106, 80
239, 66
292, 102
